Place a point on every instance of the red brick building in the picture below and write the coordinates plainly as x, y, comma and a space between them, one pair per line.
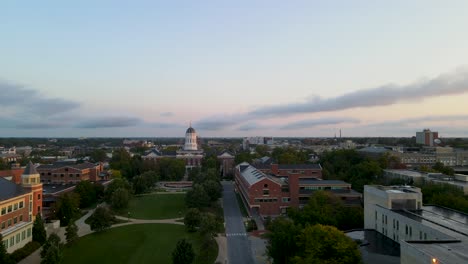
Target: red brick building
269, 191
227, 163
19, 205
69, 172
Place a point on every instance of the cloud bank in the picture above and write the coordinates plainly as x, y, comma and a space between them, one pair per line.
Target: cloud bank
446, 84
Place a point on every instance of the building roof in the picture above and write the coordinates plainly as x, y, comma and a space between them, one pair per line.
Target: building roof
250, 173
291, 166
59, 164
409, 173
15, 174
374, 149
9, 189
30, 169
313, 181
190, 130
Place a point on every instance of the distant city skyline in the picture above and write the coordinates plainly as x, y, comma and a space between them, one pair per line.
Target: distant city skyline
246, 68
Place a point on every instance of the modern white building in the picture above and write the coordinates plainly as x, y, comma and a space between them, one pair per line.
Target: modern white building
426, 234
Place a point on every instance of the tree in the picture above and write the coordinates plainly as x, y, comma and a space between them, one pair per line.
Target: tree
282, 240
213, 189
171, 169
197, 197
144, 182
192, 219
87, 193
183, 253
262, 150
210, 225
114, 185
325, 244
52, 250
322, 208
120, 199
98, 155
38, 231
101, 219
4, 256
243, 157
71, 233
3, 165
67, 207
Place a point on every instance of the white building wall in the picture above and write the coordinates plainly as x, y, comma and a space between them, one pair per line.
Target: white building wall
18, 238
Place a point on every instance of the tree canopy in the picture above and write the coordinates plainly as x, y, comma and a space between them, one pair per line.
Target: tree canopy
325, 244
183, 253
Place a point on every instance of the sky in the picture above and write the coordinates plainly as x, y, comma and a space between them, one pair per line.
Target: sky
233, 68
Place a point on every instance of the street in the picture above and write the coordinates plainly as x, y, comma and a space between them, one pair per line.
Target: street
238, 244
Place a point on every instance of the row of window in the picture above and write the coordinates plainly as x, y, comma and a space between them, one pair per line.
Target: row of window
12, 208
266, 200
323, 188
396, 226
11, 221
62, 175
17, 239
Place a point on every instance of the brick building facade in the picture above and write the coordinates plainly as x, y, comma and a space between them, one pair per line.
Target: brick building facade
19, 205
69, 172
271, 189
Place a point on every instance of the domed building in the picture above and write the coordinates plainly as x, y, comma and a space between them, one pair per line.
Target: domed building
190, 152
190, 139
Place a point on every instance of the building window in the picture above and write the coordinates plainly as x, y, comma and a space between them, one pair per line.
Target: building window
18, 238
425, 236
29, 232
9, 222
21, 204
420, 235
410, 231
15, 220
23, 235
39, 196
3, 225
5, 242
3, 210
266, 192
10, 208
15, 207
265, 185
12, 241
406, 229
38, 209
21, 218
286, 199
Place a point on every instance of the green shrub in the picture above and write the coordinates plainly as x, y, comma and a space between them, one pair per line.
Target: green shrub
25, 251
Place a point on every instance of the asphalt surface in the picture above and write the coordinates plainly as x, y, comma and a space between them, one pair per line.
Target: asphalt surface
238, 244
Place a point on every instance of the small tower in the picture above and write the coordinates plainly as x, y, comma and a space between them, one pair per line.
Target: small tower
31, 181
190, 139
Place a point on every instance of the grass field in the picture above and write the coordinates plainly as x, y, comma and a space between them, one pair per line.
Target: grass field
156, 206
143, 243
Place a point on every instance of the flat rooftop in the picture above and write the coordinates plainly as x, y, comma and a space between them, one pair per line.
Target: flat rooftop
55, 188
445, 220
449, 253
409, 173
313, 181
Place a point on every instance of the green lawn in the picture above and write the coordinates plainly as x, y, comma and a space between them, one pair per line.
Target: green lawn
143, 243
156, 206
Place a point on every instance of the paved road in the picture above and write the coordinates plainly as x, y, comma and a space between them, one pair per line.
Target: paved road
238, 244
